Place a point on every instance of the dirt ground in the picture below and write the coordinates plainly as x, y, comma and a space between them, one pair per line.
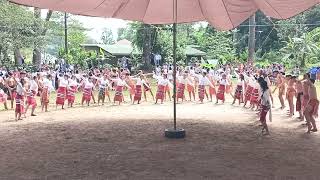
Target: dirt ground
127, 142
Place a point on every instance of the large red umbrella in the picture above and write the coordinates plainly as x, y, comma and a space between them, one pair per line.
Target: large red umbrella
221, 14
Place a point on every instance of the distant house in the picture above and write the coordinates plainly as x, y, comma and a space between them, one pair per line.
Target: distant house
191, 53
122, 48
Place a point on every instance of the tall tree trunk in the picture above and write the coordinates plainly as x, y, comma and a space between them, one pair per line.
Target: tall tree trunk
36, 58
147, 45
17, 56
252, 38
303, 61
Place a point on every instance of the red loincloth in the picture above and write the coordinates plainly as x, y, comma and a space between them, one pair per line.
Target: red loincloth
45, 95
263, 113
248, 92
118, 96
132, 89
314, 104
299, 102
160, 92
239, 92
180, 93
71, 94
254, 96
31, 101
61, 95
190, 88
138, 92
221, 91
20, 104
212, 91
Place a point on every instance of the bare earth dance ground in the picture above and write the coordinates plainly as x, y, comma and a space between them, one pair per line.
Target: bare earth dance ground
127, 142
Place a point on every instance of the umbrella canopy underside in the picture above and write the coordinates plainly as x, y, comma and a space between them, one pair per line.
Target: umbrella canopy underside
221, 14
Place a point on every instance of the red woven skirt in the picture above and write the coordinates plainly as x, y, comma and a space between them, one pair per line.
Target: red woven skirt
71, 94
160, 92
254, 96
239, 92
31, 100
138, 93
201, 91
45, 95
248, 92
180, 93
87, 94
190, 88
119, 94
3, 97
61, 95
221, 91
19, 104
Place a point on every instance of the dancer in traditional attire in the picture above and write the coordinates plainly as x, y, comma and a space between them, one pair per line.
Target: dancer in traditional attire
31, 93
20, 98
265, 106
281, 85
183, 83
62, 90
203, 82
138, 88
299, 90
239, 90
87, 92
249, 89
71, 91
120, 84
311, 109
254, 100
3, 95
212, 90
223, 82
130, 83
163, 82
190, 87
12, 86
47, 89
104, 86
291, 92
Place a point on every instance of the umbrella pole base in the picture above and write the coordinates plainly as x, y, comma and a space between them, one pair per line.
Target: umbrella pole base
170, 133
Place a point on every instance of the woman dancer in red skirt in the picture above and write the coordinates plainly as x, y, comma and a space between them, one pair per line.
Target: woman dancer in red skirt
62, 91
222, 88
120, 84
87, 92
163, 82
71, 91
138, 88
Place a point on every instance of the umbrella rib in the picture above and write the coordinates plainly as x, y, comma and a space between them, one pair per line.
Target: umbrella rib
146, 11
123, 4
273, 9
227, 13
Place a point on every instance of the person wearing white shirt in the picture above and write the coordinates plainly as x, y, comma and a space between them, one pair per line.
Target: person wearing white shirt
45, 94
62, 90
223, 83
138, 88
19, 98
87, 92
120, 83
163, 86
183, 81
104, 85
265, 106
249, 89
72, 89
32, 91
203, 82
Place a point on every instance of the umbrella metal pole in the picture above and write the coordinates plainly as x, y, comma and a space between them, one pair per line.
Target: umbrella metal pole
174, 76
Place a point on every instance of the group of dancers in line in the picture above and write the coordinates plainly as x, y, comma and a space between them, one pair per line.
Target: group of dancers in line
252, 87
